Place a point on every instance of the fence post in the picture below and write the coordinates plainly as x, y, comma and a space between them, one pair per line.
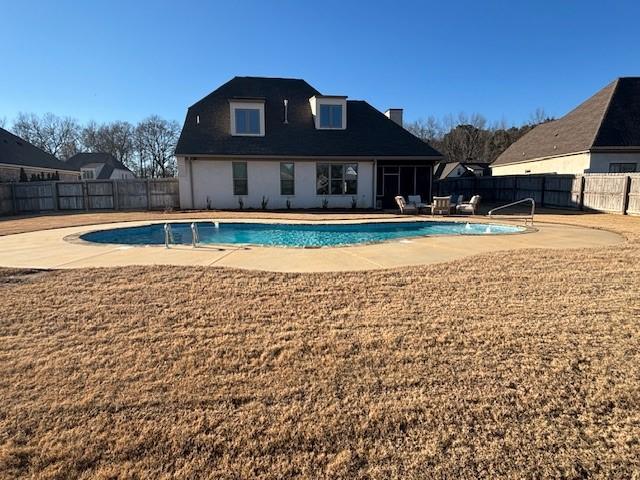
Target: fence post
514, 193
148, 194
626, 191
14, 203
582, 182
114, 193
54, 194
85, 195
542, 187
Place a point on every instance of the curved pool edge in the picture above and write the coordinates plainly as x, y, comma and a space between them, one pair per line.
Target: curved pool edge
47, 249
524, 229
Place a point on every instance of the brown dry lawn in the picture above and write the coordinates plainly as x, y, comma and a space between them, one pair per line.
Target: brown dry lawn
516, 365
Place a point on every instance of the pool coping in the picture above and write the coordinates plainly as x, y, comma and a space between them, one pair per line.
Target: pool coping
77, 237
48, 249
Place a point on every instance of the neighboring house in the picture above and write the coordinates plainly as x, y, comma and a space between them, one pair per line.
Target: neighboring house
446, 170
16, 154
280, 140
600, 135
478, 169
100, 166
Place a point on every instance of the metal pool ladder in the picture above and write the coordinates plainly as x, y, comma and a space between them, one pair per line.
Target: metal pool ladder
195, 235
526, 218
168, 235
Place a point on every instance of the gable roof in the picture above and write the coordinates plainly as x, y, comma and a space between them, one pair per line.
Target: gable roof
95, 159
17, 151
368, 132
444, 169
609, 119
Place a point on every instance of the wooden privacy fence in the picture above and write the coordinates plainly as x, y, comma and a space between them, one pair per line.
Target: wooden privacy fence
137, 194
614, 193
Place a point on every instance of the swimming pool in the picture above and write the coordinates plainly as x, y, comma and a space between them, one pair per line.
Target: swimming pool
292, 235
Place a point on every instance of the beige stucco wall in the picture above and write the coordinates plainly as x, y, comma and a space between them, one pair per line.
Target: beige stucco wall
570, 164
214, 179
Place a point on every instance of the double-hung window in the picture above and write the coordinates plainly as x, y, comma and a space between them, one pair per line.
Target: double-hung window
240, 180
247, 121
88, 173
330, 116
287, 179
337, 179
247, 118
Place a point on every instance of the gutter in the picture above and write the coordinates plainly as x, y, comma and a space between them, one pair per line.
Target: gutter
46, 169
361, 158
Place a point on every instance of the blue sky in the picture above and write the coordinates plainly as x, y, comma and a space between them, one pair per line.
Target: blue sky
128, 59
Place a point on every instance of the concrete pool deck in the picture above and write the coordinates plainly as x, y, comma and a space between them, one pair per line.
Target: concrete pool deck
61, 248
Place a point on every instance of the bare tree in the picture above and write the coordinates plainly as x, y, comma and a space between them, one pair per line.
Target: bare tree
429, 130
116, 138
156, 140
466, 138
3, 122
539, 116
58, 136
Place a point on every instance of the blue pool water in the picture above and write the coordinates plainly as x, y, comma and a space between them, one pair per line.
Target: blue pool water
292, 235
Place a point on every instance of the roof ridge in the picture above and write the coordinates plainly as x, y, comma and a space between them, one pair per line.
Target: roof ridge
270, 78
605, 111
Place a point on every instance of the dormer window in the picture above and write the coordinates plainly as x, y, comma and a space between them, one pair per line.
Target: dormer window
247, 117
247, 121
329, 112
330, 116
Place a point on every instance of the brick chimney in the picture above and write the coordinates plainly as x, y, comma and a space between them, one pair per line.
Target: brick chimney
395, 114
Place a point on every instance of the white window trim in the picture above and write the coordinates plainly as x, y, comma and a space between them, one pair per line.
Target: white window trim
315, 110
233, 105
87, 170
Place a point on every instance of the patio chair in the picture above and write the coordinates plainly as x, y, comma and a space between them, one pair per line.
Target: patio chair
404, 206
441, 205
417, 201
470, 207
453, 206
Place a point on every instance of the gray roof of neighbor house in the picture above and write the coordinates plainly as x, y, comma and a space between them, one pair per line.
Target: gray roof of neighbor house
444, 169
609, 120
368, 132
17, 151
110, 162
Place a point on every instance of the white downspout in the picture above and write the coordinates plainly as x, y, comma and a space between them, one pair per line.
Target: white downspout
191, 182
375, 183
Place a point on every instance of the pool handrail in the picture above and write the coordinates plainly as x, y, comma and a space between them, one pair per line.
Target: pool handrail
195, 235
526, 218
168, 235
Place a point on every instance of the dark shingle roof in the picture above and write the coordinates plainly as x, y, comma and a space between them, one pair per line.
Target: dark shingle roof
368, 132
621, 124
17, 151
80, 160
610, 118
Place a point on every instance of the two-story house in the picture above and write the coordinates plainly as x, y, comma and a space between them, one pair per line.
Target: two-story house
100, 166
281, 141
